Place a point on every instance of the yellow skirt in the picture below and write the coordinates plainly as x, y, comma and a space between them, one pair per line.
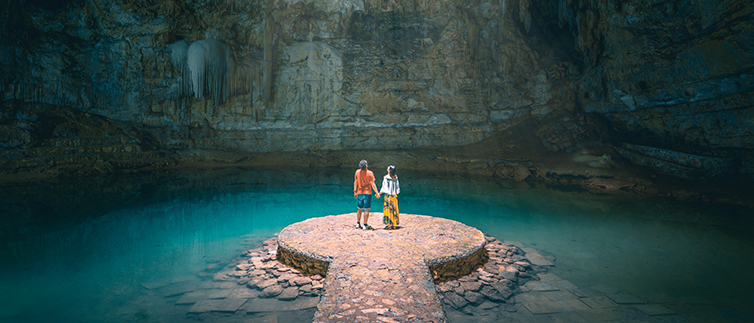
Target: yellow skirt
390, 210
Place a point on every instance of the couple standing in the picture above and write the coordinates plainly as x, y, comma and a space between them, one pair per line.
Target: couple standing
362, 190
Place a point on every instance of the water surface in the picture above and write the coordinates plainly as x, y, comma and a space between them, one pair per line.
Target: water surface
81, 250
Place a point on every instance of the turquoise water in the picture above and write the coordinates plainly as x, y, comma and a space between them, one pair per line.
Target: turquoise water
81, 250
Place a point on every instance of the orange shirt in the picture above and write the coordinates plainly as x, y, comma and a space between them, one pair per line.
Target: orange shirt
364, 181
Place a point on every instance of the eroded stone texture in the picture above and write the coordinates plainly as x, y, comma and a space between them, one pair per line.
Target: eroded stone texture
337, 75
669, 74
282, 76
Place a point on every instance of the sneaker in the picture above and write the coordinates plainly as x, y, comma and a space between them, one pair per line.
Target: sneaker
358, 225
367, 227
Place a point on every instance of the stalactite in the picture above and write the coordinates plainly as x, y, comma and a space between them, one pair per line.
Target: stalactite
208, 68
178, 54
523, 13
209, 63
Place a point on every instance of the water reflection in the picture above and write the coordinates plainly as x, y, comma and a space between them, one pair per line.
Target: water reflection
82, 249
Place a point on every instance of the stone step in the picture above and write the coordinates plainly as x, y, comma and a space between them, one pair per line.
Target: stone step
381, 275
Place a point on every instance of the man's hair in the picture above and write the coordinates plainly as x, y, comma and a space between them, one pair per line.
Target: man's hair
363, 164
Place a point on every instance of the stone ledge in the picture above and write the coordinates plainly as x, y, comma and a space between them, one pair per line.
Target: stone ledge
381, 274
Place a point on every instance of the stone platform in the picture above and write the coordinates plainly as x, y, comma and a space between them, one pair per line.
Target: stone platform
381, 275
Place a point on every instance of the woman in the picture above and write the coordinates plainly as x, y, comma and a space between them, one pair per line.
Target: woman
391, 189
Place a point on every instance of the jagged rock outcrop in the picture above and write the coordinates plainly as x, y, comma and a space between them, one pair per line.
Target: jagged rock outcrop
673, 75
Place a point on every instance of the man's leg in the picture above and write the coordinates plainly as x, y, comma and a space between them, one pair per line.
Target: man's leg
358, 216
367, 206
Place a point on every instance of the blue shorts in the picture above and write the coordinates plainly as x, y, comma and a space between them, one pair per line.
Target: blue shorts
364, 201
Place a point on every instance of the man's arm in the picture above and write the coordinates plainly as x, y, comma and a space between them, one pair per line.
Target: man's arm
376, 192
355, 188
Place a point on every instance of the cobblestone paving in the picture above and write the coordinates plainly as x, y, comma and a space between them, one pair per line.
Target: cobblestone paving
381, 275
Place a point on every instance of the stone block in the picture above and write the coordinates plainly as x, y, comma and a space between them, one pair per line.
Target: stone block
456, 300
532, 297
473, 297
598, 302
244, 293
204, 306
288, 294
536, 286
156, 284
539, 261
541, 308
654, 309
179, 289
626, 299
471, 286
560, 295
266, 283
218, 293
569, 317
563, 285
217, 305
275, 305
548, 277
271, 291
191, 298
492, 294
597, 315
570, 305
229, 305
629, 313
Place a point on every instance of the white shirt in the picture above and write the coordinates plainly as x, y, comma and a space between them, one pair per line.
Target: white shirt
390, 185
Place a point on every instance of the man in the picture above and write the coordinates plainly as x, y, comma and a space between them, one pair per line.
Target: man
363, 184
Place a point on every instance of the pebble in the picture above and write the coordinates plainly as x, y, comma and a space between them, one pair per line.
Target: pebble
271, 291
267, 283
288, 294
300, 281
474, 297
489, 285
471, 286
243, 267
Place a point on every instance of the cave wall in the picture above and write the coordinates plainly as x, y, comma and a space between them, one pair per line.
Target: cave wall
299, 75
674, 75
275, 76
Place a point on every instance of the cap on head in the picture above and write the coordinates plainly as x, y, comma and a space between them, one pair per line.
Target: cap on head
363, 164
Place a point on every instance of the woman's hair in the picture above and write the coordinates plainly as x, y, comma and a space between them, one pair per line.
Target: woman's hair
391, 170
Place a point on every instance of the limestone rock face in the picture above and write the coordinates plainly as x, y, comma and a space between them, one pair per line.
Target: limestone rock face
281, 76
665, 73
305, 75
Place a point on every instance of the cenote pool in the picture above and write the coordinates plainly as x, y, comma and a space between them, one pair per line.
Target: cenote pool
81, 250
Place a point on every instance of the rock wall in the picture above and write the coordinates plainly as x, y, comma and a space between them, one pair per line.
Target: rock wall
304, 75
675, 75
286, 75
